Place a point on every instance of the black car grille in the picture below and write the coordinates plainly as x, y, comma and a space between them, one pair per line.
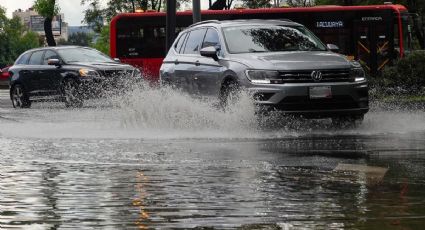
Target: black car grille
117, 73
302, 103
304, 76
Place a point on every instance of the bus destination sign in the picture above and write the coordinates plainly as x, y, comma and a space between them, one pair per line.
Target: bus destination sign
330, 24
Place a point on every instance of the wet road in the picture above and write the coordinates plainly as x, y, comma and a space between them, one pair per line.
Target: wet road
172, 162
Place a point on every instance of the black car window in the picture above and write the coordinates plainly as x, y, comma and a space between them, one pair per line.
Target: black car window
211, 39
23, 59
49, 55
35, 58
179, 43
193, 41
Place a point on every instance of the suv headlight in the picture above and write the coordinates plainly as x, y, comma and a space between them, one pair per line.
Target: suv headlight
356, 72
88, 73
264, 76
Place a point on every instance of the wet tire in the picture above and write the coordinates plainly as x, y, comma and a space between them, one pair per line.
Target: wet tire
229, 94
71, 95
350, 121
19, 97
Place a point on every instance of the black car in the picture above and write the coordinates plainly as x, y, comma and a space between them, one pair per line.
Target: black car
67, 73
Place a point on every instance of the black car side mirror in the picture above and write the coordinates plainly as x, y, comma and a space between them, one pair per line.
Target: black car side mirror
333, 48
55, 62
209, 51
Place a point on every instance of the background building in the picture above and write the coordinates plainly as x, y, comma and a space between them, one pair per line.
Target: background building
35, 22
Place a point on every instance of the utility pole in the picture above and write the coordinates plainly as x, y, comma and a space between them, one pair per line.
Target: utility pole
196, 8
170, 26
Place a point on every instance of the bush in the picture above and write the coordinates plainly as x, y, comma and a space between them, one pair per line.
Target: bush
407, 75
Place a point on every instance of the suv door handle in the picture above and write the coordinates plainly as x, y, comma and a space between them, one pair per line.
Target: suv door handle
197, 63
176, 61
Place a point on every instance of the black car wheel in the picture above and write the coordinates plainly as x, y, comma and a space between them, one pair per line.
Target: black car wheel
71, 95
229, 94
19, 97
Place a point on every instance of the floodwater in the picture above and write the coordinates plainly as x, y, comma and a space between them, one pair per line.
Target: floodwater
159, 159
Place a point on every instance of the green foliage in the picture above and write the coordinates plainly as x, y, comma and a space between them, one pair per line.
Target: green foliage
14, 39
78, 39
406, 74
46, 8
256, 3
94, 16
102, 42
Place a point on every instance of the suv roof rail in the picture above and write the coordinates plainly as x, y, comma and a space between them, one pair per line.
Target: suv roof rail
205, 22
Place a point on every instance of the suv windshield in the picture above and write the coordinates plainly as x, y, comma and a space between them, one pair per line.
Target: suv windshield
82, 55
270, 38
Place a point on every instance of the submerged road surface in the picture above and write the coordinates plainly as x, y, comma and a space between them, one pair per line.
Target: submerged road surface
158, 159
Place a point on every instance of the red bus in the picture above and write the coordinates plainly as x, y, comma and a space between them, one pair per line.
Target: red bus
375, 35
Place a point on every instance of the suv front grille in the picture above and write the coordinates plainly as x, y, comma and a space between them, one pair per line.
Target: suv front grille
304, 76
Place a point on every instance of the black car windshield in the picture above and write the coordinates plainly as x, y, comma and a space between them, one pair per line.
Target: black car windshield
82, 55
270, 38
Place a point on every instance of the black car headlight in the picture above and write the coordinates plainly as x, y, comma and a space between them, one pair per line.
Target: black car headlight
264, 76
90, 73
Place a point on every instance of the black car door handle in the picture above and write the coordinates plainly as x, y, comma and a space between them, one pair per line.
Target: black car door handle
197, 63
176, 61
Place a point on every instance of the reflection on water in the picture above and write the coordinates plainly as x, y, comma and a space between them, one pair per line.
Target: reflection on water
173, 162
72, 183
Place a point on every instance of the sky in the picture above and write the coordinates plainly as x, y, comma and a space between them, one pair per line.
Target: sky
72, 9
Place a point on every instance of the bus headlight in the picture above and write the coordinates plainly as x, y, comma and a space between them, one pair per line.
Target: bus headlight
88, 73
264, 76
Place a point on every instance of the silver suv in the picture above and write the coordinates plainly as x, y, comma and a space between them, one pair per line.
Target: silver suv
283, 64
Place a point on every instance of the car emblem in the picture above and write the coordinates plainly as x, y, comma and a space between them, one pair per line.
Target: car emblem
316, 75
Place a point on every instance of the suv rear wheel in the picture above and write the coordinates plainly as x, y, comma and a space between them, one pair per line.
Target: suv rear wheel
19, 97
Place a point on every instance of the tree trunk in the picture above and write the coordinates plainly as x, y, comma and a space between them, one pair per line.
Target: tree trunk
219, 5
159, 5
48, 32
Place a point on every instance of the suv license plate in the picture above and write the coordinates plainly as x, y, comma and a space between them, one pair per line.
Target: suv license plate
317, 92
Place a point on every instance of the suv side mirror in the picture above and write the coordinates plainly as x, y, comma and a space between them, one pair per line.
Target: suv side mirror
209, 51
332, 47
117, 60
54, 61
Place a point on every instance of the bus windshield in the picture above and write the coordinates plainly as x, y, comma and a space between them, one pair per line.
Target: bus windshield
270, 38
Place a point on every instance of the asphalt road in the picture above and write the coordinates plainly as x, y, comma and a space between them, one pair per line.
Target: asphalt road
158, 159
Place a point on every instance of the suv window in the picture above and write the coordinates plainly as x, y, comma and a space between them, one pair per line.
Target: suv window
211, 39
49, 55
35, 58
179, 43
193, 41
23, 59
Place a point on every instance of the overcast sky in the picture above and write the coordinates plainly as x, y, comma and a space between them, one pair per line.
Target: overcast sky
72, 9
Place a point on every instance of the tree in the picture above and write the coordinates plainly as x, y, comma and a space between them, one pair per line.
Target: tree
302, 3
14, 39
221, 5
79, 39
48, 9
102, 42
